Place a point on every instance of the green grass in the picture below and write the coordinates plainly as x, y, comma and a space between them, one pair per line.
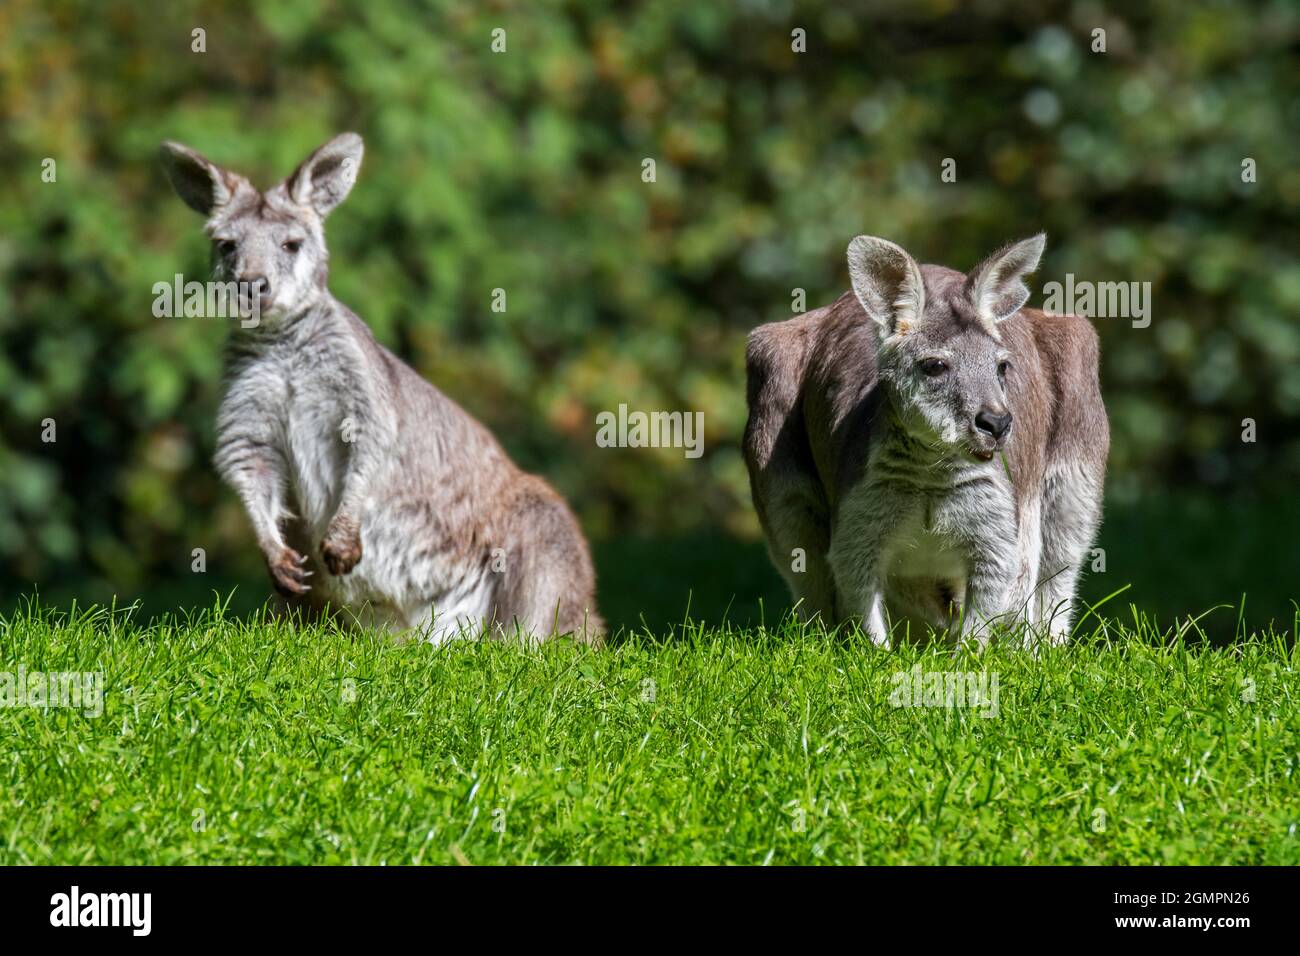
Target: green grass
708, 746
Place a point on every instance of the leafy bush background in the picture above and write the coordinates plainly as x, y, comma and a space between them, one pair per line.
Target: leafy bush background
522, 171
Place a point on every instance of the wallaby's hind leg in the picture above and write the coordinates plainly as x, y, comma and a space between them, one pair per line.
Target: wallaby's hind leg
798, 541
1071, 516
549, 584
790, 502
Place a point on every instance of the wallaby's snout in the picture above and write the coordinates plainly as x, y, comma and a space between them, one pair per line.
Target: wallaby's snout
995, 422
991, 427
257, 288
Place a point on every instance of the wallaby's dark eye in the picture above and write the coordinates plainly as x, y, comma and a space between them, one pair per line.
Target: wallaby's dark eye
226, 246
1002, 368
934, 367
292, 246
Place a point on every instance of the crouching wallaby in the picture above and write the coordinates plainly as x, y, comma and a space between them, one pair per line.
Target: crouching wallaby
368, 489
926, 453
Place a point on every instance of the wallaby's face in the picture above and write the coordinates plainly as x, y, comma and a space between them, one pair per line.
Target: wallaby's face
944, 378
940, 359
274, 245
273, 241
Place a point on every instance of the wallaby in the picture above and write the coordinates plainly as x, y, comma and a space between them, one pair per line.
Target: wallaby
926, 454
368, 489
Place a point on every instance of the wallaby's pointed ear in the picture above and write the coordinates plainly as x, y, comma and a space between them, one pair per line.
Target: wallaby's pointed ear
996, 287
326, 176
888, 283
201, 183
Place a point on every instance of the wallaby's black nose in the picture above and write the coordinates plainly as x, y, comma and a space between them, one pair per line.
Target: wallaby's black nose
995, 425
258, 285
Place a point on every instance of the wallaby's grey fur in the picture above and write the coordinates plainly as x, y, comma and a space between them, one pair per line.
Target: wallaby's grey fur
936, 450
368, 489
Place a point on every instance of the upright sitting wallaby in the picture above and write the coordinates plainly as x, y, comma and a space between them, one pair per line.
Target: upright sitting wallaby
926, 453
368, 489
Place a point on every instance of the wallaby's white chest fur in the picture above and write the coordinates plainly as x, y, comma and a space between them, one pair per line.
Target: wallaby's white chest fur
924, 570
305, 388
935, 536
305, 411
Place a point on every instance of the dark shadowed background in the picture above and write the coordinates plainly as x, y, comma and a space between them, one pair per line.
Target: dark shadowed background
522, 171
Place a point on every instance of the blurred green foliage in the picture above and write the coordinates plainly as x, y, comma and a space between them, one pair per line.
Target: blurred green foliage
522, 171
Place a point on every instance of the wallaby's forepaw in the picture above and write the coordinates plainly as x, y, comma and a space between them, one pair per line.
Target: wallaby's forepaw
341, 548
287, 573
